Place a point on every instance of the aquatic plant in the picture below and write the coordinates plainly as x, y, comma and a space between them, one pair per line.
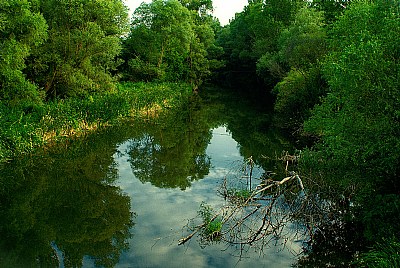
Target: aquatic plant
212, 224
241, 194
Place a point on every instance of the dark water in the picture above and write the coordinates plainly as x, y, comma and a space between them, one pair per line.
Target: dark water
121, 197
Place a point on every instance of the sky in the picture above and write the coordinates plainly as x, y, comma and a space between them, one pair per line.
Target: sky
224, 10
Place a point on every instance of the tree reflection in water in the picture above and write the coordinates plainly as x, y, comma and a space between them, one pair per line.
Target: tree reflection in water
171, 152
63, 200
62, 207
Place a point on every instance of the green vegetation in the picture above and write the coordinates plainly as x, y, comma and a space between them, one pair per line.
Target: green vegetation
25, 128
358, 120
21, 30
212, 225
171, 41
330, 70
242, 194
385, 255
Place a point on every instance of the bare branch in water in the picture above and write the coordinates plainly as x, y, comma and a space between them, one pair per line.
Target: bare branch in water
273, 210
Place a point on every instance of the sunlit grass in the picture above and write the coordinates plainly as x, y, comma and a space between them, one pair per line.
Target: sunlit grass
24, 128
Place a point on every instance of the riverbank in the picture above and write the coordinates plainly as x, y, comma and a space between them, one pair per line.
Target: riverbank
25, 128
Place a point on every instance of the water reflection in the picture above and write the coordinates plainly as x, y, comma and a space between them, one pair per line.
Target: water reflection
72, 206
171, 151
163, 212
57, 208
249, 126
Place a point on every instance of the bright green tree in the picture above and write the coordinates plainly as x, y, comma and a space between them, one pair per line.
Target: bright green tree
170, 41
204, 52
201, 7
159, 41
21, 29
332, 8
79, 55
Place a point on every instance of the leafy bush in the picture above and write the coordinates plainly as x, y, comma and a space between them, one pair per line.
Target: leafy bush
358, 119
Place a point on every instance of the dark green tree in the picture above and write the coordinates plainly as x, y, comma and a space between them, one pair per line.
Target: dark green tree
253, 34
358, 120
301, 48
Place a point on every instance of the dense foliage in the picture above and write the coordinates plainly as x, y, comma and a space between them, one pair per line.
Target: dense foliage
59, 59
170, 41
358, 120
21, 29
331, 69
83, 41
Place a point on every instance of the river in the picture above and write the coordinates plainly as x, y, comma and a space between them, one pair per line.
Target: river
123, 196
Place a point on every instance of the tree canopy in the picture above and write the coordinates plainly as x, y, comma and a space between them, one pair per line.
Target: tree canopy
84, 39
22, 28
170, 41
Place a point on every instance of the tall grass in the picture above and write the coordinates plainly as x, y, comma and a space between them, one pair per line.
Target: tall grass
26, 127
383, 255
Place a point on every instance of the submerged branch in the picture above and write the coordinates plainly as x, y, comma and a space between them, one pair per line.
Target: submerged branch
196, 230
256, 216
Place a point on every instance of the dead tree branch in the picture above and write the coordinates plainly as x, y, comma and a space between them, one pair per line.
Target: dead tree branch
255, 216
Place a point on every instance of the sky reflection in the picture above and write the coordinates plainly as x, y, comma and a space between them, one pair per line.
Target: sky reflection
163, 212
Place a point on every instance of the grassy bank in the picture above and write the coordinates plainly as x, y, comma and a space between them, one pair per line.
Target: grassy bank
26, 127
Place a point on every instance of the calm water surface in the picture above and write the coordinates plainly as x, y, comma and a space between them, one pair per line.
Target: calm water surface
122, 197
161, 212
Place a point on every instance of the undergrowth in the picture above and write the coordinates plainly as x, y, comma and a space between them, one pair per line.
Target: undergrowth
24, 127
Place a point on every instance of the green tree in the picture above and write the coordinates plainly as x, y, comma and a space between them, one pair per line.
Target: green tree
301, 47
169, 41
358, 120
159, 41
204, 53
253, 34
332, 8
201, 7
83, 42
303, 43
21, 29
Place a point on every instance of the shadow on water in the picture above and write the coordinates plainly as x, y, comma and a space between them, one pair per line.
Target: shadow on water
64, 207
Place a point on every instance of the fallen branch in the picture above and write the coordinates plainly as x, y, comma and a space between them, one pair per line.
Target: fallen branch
197, 228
